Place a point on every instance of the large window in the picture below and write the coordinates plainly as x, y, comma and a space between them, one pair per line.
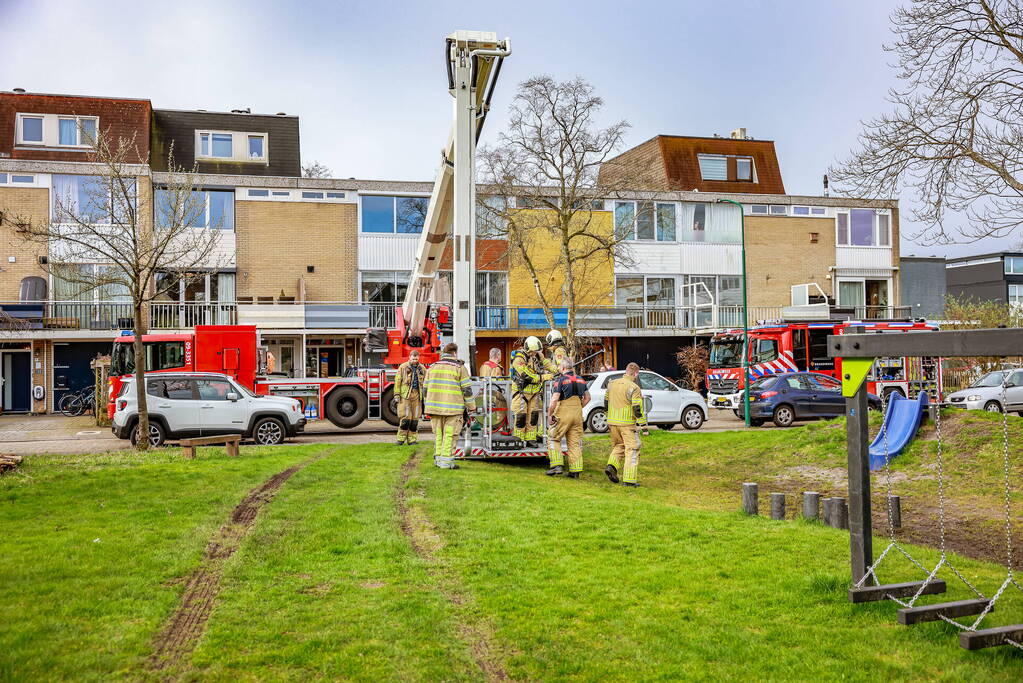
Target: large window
491, 288
393, 215
231, 145
726, 167
714, 223
639, 290
89, 199
71, 282
862, 228
202, 209
76, 131
650, 221
490, 217
713, 167
198, 288
384, 286
56, 130
1014, 265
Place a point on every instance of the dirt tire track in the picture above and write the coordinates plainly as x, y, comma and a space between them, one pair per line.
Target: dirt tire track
182, 631
425, 541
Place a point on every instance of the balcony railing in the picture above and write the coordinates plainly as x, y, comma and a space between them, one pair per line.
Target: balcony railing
627, 317
66, 315
882, 312
182, 315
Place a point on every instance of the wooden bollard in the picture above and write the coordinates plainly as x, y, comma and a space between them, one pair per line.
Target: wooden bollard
841, 513
778, 506
811, 505
895, 511
750, 498
829, 511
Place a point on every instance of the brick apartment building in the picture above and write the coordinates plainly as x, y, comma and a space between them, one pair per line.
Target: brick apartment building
313, 262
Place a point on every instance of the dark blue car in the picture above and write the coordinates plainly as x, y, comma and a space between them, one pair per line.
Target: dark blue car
787, 397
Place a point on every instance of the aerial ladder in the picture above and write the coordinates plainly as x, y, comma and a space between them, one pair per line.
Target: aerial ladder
473, 60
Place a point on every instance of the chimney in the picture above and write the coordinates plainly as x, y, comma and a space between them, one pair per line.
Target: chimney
739, 134
20, 91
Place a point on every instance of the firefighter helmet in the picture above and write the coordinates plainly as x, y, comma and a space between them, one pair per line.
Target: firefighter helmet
532, 344
554, 337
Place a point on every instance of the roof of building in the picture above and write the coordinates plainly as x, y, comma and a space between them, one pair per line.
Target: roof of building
671, 162
989, 255
84, 97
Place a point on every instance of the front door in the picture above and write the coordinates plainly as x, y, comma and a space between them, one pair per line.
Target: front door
16, 381
217, 413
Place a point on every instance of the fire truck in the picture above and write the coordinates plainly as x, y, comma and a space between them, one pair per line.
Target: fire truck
795, 346
366, 393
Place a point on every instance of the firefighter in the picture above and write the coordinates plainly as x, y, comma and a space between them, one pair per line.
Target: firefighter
529, 371
556, 344
568, 398
625, 415
448, 400
408, 387
492, 366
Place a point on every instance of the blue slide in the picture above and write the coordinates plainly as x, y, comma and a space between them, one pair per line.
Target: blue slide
900, 424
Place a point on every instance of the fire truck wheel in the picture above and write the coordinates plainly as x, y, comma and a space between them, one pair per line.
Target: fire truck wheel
389, 407
346, 407
888, 393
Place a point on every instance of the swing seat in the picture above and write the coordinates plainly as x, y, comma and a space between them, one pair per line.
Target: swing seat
991, 637
895, 590
958, 608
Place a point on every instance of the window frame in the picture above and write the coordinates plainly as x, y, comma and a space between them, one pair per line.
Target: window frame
239, 141
875, 229
655, 215
20, 128
50, 130
206, 208
78, 129
394, 214
1015, 261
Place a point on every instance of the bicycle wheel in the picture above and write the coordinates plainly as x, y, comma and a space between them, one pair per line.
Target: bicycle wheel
65, 403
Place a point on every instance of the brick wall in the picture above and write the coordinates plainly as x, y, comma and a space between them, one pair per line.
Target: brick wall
117, 119
31, 204
277, 240
779, 254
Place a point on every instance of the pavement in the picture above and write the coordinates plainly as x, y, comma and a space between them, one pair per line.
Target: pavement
38, 434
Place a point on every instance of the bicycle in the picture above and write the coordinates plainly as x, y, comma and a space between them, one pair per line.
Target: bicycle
73, 404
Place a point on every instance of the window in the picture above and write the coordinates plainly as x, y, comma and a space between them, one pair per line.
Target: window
1016, 295
824, 383
713, 167
89, 199
179, 389
203, 209
774, 210
76, 131
491, 288
716, 223
650, 221
11, 179
818, 210
758, 209
1014, 265
384, 286
639, 290
214, 389
490, 217
230, 145
863, 228
259, 193
744, 170
335, 195
68, 284
31, 128
800, 210
779, 210
198, 288
394, 215
312, 195
651, 382
163, 355
277, 193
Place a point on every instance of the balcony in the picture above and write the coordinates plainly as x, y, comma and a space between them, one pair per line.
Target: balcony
173, 315
630, 318
65, 315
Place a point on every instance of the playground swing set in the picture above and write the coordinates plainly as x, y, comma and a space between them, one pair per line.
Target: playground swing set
858, 352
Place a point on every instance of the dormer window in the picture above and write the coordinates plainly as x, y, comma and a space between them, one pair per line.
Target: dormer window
231, 146
727, 167
76, 131
31, 129
56, 130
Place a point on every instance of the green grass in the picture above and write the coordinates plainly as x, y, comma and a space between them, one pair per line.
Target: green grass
570, 579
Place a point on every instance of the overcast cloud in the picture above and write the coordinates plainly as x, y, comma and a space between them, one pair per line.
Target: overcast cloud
367, 79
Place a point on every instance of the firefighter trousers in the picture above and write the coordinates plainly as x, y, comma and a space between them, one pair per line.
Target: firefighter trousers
446, 430
569, 426
526, 409
625, 446
409, 411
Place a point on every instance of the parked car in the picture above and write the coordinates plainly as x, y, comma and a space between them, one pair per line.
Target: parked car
665, 404
183, 405
986, 392
790, 396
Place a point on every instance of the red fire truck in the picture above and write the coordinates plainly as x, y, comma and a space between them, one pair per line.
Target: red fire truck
793, 346
367, 393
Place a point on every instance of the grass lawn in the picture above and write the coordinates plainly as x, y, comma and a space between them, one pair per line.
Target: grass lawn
562, 579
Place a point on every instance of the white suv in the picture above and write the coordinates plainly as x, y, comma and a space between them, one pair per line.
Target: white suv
183, 405
666, 405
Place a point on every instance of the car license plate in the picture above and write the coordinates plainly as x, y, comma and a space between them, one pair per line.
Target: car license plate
722, 402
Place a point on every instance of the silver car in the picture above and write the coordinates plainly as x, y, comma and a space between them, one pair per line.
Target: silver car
665, 404
986, 392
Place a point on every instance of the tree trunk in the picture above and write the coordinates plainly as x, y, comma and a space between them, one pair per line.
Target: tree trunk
140, 374
570, 342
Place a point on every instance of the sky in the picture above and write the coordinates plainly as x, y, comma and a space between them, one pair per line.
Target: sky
368, 81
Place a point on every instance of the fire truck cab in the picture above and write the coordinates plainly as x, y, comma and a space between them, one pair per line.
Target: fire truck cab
795, 346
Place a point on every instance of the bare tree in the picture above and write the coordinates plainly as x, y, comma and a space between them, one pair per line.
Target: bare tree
694, 361
541, 194
954, 135
315, 169
109, 233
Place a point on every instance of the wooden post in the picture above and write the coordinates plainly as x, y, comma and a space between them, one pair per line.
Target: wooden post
778, 506
857, 516
811, 505
895, 511
841, 513
749, 498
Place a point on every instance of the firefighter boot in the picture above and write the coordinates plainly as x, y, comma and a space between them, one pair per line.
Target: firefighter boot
557, 469
612, 473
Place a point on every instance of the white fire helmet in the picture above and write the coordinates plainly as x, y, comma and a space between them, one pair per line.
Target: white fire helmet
554, 337
532, 344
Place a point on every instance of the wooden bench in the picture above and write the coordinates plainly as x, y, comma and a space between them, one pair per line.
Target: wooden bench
230, 441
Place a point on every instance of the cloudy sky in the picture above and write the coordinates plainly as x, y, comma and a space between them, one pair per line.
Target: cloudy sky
367, 78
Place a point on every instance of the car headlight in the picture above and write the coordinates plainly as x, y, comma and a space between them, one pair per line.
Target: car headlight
973, 397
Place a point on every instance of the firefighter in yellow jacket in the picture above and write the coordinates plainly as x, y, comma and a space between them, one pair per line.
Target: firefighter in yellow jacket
568, 398
556, 345
448, 399
625, 416
529, 371
408, 387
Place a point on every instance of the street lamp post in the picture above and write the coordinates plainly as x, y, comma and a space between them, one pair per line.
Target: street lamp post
745, 314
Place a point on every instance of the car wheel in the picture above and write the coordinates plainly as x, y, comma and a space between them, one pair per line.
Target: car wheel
346, 407
993, 407
666, 426
597, 421
268, 431
737, 413
756, 422
692, 418
784, 416
157, 435
389, 407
